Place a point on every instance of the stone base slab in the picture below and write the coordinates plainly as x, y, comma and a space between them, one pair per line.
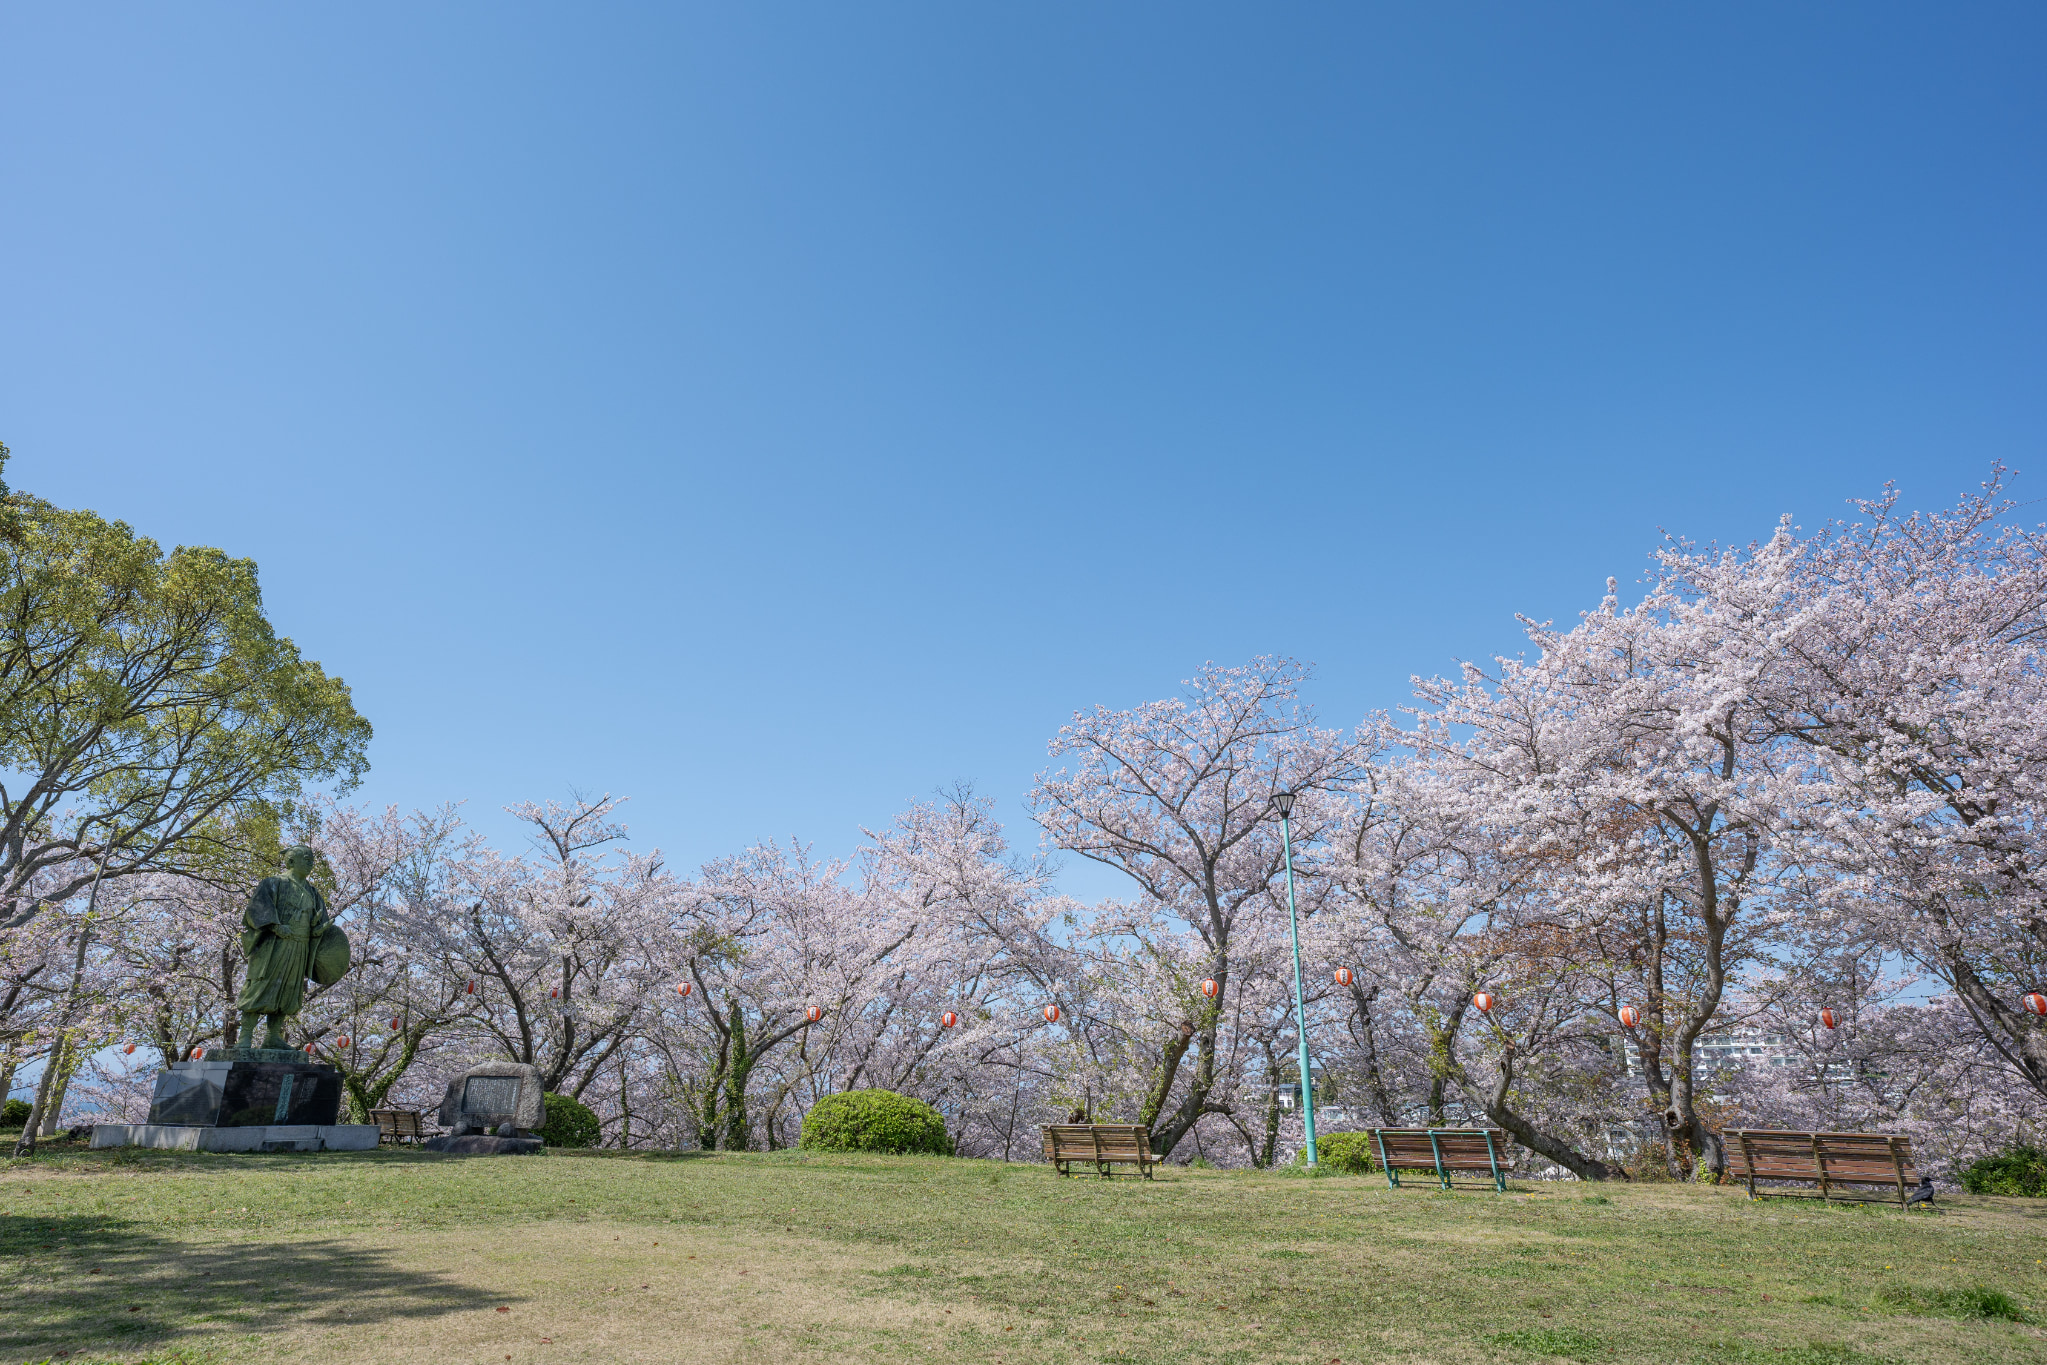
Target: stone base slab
278, 1137
479, 1144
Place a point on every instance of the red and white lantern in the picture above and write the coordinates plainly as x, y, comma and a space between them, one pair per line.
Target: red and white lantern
197, 1053
1484, 1001
683, 988
948, 1019
554, 992
1344, 976
309, 1049
472, 988
344, 1041
1630, 1016
814, 1013
1827, 1018
1209, 988
396, 1023
1051, 1014
130, 1049
2036, 1003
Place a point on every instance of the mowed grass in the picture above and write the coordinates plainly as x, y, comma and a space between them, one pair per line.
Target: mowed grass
399, 1257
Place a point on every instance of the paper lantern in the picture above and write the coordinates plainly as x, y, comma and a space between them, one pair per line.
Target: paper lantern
1483, 1001
813, 1014
683, 988
396, 1023
948, 1019
2036, 1003
554, 992
309, 1049
1209, 988
1630, 1016
1051, 1014
472, 988
342, 1041
197, 1053
1344, 976
130, 1049
1827, 1018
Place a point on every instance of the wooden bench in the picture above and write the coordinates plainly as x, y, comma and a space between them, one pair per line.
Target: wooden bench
1101, 1144
1826, 1159
398, 1125
1442, 1150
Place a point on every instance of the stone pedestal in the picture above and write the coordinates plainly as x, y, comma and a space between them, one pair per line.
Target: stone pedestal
482, 1144
270, 1137
247, 1088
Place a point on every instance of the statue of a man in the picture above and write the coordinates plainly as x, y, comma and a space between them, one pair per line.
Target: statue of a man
287, 936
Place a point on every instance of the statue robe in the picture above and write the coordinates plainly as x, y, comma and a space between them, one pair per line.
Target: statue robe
281, 925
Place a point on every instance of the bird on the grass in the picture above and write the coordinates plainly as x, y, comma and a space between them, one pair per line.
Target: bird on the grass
1922, 1195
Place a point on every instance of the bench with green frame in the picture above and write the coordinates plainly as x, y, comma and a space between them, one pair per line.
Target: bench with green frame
1443, 1151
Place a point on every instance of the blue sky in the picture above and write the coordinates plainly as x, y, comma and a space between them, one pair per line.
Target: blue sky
775, 412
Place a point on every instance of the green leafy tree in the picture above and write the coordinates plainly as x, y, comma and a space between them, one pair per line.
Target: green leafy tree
143, 698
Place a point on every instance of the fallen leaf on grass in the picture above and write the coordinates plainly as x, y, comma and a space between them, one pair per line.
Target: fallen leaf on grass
504, 1310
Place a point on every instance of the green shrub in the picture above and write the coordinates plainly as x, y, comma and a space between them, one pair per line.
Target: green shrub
1974, 1301
1568, 1342
570, 1123
874, 1121
1342, 1154
14, 1114
2020, 1170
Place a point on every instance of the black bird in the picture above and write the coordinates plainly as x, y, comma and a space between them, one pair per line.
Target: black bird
1922, 1195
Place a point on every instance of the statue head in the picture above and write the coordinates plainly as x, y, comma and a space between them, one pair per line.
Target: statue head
299, 860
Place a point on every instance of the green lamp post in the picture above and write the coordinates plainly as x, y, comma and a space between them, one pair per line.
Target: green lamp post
1283, 802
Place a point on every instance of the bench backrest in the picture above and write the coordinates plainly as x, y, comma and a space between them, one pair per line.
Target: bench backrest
1457, 1149
396, 1122
1852, 1158
1097, 1142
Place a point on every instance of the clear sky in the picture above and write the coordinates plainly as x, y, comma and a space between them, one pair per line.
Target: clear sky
775, 412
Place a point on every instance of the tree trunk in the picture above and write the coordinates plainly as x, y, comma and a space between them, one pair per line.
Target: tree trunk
1534, 1139
66, 1062
738, 1134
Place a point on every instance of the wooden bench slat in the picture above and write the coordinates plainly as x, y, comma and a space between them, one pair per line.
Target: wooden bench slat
1824, 1159
1100, 1144
1441, 1151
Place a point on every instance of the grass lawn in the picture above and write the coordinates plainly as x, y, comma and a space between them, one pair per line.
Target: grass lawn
400, 1257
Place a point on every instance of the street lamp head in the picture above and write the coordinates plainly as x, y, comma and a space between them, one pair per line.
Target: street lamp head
1283, 802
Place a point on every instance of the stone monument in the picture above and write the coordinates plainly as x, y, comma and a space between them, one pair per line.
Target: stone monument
270, 1097
492, 1110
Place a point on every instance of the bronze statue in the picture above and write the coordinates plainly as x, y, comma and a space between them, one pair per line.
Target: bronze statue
287, 936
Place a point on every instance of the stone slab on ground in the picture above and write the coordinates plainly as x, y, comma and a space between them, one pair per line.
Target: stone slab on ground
493, 1094
479, 1144
276, 1137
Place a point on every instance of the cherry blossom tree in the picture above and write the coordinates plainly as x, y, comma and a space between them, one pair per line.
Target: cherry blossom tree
1911, 685
1177, 794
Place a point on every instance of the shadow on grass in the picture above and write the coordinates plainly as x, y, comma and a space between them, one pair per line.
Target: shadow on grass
87, 1282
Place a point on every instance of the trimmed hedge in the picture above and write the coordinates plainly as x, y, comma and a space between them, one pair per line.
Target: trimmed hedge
874, 1121
1342, 1154
2019, 1170
570, 1122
